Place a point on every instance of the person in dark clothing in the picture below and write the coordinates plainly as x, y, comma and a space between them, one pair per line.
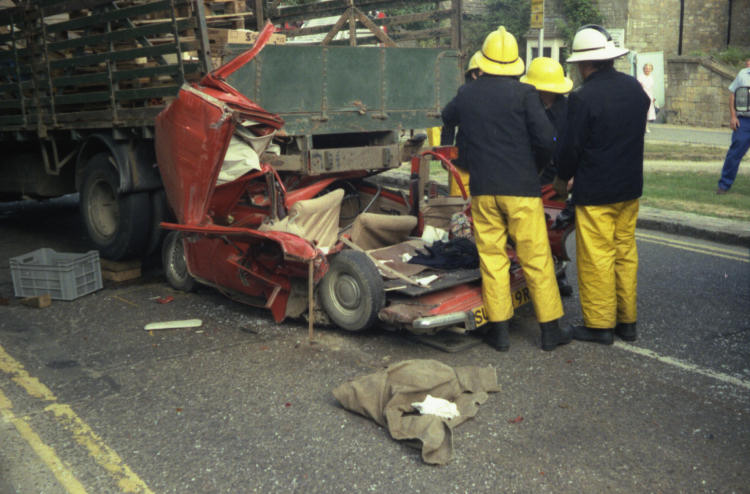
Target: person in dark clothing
603, 151
548, 77
506, 131
448, 133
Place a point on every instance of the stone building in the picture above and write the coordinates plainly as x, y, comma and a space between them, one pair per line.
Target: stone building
677, 35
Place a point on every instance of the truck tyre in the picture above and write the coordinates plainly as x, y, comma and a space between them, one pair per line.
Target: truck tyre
159, 213
352, 291
117, 223
175, 267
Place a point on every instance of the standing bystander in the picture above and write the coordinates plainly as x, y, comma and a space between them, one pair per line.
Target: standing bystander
603, 150
740, 124
647, 83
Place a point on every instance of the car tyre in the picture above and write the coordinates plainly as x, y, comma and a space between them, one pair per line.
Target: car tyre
352, 291
175, 266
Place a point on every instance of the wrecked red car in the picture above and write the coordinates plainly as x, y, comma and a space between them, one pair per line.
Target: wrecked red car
263, 234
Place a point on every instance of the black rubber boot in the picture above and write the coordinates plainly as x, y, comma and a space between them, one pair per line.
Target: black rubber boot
595, 335
497, 336
626, 331
553, 336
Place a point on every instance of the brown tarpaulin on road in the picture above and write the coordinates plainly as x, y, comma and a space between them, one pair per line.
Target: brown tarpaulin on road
386, 397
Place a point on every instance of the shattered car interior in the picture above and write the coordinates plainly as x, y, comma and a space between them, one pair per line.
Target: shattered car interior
262, 235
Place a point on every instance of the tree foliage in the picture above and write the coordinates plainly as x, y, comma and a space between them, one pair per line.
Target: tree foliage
513, 14
577, 13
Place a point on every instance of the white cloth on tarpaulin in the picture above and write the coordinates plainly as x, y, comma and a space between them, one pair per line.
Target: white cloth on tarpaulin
437, 406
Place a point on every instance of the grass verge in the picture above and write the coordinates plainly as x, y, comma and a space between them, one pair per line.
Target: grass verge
678, 186
682, 152
695, 192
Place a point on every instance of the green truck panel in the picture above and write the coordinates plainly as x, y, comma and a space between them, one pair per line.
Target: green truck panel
338, 89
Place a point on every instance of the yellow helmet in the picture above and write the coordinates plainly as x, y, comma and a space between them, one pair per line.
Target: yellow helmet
473, 61
499, 54
547, 74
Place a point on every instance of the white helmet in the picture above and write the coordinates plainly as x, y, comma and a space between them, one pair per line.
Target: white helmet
593, 42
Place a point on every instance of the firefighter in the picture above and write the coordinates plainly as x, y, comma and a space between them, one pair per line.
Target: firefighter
603, 151
505, 126
447, 134
548, 77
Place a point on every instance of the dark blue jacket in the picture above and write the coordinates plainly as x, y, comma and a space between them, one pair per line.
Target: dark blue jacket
603, 143
558, 115
504, 126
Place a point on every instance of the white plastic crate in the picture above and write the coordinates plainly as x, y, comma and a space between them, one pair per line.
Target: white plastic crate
64, 276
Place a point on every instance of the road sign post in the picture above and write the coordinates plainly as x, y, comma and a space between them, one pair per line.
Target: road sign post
537, 22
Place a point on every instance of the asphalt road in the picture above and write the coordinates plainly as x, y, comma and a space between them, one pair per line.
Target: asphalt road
90, 402
689, 135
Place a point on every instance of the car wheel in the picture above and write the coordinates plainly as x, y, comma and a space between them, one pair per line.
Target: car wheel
352, 291
116, 223
175, 267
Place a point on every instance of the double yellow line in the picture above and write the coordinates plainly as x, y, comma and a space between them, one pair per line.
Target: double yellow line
127, 481
722, 252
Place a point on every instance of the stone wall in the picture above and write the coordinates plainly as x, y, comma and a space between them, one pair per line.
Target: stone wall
697, 94
740, 29
705, 26
653, 25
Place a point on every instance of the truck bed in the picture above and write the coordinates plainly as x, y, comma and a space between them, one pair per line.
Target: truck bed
76, 64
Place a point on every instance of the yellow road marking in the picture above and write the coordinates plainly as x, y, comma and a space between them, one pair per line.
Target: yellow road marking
19, 375
104, 456
700, 250
46, 453
690, 244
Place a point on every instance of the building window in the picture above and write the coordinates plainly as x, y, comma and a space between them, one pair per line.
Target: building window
547, 52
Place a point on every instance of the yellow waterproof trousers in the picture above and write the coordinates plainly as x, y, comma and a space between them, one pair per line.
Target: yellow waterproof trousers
607, 262
496, 217
454, 190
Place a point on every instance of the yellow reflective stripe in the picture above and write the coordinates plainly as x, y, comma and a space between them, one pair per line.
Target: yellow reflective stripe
46, 453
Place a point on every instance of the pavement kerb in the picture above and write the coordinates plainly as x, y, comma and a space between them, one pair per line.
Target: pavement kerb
722, 230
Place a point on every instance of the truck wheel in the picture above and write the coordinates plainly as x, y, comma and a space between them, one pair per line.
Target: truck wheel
117, 223
159, 213
175, 267
352, 291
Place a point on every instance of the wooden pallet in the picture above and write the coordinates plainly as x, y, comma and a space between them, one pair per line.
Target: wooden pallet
218, 40
229, 13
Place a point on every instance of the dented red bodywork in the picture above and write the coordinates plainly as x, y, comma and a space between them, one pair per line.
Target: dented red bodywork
223, 246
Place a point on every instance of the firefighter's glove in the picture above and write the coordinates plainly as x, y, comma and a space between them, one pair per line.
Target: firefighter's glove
561, 187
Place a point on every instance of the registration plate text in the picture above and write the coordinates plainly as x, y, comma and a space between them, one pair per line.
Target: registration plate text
519, 297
